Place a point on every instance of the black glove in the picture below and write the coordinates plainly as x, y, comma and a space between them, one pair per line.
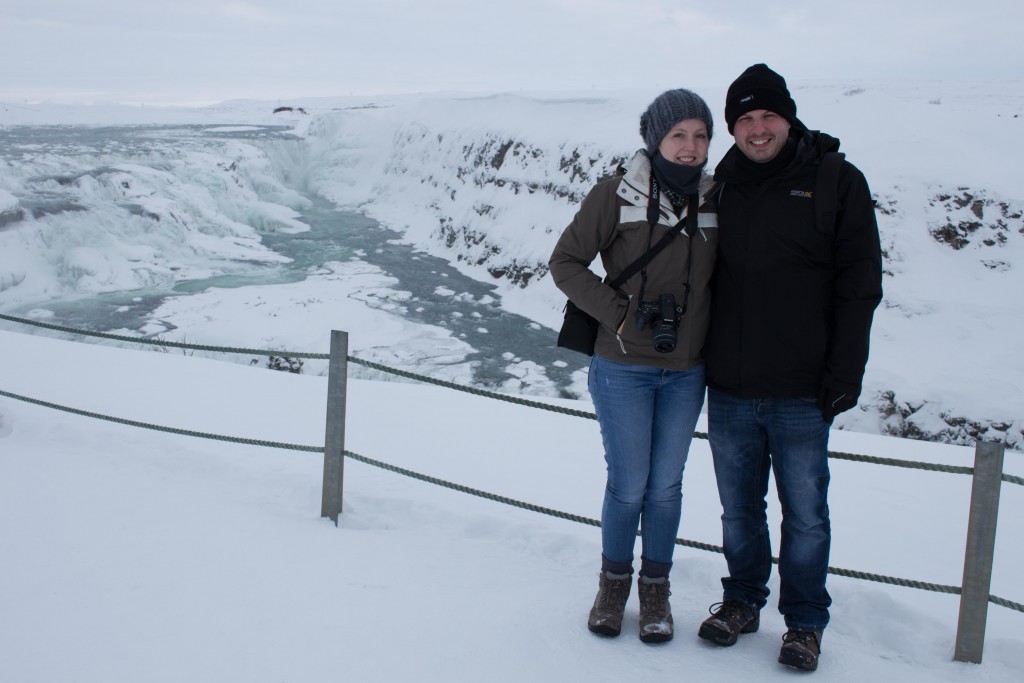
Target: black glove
835, 397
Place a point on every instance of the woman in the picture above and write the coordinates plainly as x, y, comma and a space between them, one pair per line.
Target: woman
647, 375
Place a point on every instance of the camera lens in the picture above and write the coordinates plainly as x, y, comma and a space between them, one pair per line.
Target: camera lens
664, 337
663, 330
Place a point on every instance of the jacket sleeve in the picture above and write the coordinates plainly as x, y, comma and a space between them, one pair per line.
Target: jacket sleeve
857, 284
591, 231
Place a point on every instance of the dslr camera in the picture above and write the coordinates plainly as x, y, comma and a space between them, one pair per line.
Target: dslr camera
664, 317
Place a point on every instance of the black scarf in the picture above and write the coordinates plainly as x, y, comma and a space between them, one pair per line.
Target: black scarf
680, 179
756, 172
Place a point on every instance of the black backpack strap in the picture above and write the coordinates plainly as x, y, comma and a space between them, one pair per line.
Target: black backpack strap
826, 192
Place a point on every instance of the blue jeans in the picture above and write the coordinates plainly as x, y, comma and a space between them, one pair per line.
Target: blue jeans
748, 438
647, 417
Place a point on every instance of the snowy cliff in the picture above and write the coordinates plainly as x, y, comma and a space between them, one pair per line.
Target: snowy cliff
489, 182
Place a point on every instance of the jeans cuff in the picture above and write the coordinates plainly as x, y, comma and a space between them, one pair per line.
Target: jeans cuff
616, 567
654, 570
751, 604
795, 626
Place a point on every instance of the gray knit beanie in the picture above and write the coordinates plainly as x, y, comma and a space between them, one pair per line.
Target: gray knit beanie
668, 109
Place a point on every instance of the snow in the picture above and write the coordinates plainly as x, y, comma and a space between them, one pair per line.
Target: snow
132, 554
136, 555
8, 202
492, 179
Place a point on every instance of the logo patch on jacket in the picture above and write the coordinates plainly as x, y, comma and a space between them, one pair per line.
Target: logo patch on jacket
801, 193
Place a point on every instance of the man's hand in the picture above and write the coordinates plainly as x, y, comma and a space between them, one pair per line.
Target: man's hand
836, 397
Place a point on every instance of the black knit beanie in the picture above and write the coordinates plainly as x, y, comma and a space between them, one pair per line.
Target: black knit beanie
668, 109
760, 88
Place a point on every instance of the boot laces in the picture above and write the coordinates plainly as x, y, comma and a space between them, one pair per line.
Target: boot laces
615, 593
654, 595
805, 638
729, 610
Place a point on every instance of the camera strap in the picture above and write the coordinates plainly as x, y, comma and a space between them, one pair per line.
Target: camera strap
641, 263
653, 213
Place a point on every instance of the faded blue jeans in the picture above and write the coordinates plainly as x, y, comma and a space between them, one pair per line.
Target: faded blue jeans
748, 438
647, 417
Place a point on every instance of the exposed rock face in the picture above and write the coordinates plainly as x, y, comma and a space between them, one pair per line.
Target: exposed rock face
930, 422
504, 167
970, 218
485, 192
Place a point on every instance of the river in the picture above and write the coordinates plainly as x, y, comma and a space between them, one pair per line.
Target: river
478, 319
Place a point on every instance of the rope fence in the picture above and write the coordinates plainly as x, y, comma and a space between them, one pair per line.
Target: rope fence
837, 455
505, 500
879, 578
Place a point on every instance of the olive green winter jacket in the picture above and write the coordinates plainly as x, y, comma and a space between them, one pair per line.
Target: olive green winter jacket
612, 223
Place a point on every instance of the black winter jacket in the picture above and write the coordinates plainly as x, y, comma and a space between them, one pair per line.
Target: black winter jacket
791, 304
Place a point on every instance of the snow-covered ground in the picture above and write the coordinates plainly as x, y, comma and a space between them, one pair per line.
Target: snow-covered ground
135, 555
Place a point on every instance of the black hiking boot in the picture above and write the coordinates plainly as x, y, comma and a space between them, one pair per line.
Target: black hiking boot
728, 621
800, 650
655, 611
612, 594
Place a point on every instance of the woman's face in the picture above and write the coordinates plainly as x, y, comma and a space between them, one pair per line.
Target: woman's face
686, 143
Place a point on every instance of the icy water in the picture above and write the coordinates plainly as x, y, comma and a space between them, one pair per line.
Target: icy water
497, 336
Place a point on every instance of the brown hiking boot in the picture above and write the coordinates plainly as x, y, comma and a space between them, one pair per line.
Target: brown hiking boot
655, 612
728, 621
612, 594
800, 650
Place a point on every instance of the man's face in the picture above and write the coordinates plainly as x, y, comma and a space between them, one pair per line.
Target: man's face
761, 134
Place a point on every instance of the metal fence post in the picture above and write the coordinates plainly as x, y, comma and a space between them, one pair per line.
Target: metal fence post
334, 441
981, 541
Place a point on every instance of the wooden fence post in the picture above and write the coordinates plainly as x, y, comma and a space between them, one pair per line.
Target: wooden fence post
334, 440
981, 541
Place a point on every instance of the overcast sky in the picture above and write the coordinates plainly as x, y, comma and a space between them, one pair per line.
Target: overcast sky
201, 51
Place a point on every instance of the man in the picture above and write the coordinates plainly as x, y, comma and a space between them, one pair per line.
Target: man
792, 301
